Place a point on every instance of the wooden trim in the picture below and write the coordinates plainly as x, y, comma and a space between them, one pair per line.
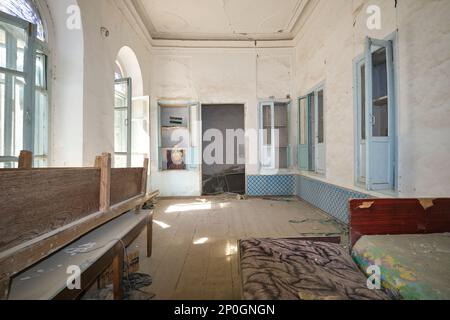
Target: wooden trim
105, 182
25, 160
398, 216
145, 176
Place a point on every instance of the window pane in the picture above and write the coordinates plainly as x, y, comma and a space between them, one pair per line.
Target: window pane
120, 130
312, 131
13, 44
121, 95
363, 102
303, 122
120, 161
281, 125
41, 129
281, 115
283, 158
267, 124
121, 121
380, 99
281, 137
41, 69
2, 114
320, 115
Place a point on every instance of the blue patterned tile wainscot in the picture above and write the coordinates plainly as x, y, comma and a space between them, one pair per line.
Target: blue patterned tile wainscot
329, 198
282, 185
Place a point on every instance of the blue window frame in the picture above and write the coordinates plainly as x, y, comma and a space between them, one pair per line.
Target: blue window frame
122, 122
275, 148
24, 10
312, 138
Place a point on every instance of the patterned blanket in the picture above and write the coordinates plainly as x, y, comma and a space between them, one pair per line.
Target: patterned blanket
291, 269
413, 267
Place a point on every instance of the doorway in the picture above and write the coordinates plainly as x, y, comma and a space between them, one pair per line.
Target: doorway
223, 161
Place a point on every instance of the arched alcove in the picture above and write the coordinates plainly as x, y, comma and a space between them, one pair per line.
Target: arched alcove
131, 138
131, 68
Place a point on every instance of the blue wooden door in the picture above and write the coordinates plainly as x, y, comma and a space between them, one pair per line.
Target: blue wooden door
380, 113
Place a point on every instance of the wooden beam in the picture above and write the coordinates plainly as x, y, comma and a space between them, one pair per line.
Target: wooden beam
105, 182
16, 259
25, 160
117, 275
150, 235
4, 287
98, 162
144, 176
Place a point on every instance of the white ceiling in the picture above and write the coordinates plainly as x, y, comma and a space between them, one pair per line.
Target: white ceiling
220, 19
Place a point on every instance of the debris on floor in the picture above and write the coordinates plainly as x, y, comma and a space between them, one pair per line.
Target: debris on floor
134, 286
229, 181
279, 199
240, 197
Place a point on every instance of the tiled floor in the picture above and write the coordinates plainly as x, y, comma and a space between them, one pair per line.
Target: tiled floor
195, 241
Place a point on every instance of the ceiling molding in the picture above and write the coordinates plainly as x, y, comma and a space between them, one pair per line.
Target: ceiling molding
290, 33
134, 19
136, 14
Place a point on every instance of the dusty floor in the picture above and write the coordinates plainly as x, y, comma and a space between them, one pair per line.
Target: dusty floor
195, 241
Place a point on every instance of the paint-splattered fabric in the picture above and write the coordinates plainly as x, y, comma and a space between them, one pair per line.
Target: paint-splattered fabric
413, 267
298, 269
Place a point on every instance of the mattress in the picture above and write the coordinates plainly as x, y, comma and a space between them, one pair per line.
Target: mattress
413, 267
292, 269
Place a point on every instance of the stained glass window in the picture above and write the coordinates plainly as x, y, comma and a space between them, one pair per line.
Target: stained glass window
25, 10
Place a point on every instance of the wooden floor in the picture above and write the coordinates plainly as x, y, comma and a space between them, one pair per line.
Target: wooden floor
195, 241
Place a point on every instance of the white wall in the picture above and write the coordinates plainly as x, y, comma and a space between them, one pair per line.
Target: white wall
100, 56
324, 50
334, 35
209, 76
66, 84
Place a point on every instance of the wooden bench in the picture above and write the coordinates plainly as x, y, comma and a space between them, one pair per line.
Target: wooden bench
44, 210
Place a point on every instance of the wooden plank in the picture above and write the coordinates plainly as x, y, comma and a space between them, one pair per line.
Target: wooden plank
35, 202
398, 216
21, 257
105, 182
125, 184
25, 160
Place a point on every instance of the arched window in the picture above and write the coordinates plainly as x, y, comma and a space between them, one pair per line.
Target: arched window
122, 114
24, 10
24, 110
